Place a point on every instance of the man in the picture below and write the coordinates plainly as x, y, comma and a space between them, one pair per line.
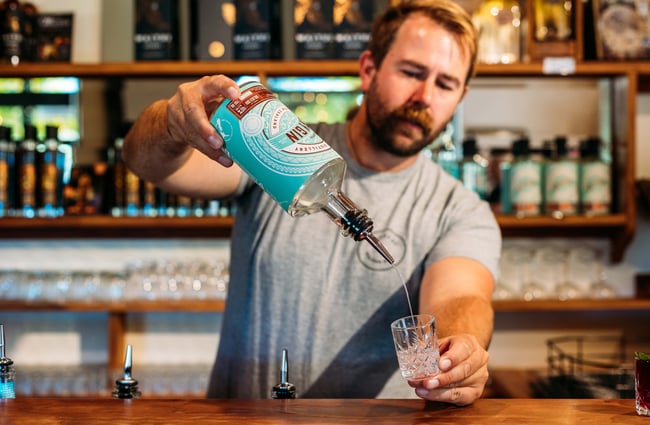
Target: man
296, 283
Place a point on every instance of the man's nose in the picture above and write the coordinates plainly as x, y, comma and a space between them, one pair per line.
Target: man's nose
423, 94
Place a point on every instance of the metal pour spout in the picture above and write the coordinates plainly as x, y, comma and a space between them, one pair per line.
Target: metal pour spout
379, 247
284, 389
127, 387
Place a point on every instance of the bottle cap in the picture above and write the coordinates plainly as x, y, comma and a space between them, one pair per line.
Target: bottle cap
560, 146
470, 148
5, 132
520, 147
30, 132
51, 132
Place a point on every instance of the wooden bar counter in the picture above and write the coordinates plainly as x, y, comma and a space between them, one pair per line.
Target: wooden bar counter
72, 411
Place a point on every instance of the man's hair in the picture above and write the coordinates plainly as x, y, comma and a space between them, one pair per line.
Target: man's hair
451, 16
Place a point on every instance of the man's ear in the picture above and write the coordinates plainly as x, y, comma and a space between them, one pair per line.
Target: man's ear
367, 69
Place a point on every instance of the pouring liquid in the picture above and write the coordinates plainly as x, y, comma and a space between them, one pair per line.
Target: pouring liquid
406, 291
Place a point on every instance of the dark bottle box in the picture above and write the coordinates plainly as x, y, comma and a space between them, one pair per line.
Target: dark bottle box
54, 37
156, 32
257, 31
314, 29
213, 26
352, 24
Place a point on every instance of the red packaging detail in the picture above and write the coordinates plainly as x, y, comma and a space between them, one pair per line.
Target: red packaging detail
249, 99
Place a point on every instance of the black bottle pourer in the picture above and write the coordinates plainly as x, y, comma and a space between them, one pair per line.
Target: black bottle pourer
284, 389
127, 387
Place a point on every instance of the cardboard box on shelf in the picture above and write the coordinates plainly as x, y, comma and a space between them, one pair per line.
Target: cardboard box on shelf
314, 29
213, 27
156, 30
54, 37
257, 31
352, 24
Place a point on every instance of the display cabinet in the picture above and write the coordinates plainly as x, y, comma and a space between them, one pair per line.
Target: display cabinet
622, 81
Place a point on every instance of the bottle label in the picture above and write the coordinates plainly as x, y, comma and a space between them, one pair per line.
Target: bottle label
28, 185
526, 191
132, 192
475, 178
595, 188
270, 143
561, 187
4, 183
7, 389
48, 184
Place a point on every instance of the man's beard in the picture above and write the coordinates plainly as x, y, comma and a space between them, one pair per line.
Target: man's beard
385, 125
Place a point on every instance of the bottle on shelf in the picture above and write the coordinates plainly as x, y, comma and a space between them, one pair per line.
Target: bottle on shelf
553, 20
561, 182
474, 169
49, 199
65, 161
299, 170
525, 181
7, 371
546, 156
594, 179
499, 26
149, 199
26, 178
30, 31
131, 193
447, 157
7, 172
116, 193
12, 31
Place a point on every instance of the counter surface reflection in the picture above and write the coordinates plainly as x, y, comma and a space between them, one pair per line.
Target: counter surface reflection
28, 411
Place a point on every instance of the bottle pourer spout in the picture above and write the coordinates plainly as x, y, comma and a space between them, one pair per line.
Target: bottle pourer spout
2, 341
127, 387
128, 363
284, 389
379, 247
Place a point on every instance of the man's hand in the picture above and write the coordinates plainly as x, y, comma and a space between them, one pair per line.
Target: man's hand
463, 372
189, 109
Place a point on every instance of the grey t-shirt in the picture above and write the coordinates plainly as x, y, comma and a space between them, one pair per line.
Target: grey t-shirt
297, 283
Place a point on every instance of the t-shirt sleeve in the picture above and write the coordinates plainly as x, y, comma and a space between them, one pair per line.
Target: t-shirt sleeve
470, 231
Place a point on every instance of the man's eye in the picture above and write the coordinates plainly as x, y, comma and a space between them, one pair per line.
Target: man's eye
412, 74
445, 85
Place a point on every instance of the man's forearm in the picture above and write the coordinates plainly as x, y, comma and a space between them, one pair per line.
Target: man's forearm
148, 148
466, 314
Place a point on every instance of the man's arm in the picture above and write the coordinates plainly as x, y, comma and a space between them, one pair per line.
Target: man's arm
173, 144
457, 292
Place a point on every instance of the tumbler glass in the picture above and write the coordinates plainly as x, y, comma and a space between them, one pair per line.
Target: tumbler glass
416, 345
642, 383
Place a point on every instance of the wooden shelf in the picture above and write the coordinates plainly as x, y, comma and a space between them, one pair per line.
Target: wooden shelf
12, 227
604, 221
164, 69
101, 226
218, 305
108, 227
122, 306
554, 305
